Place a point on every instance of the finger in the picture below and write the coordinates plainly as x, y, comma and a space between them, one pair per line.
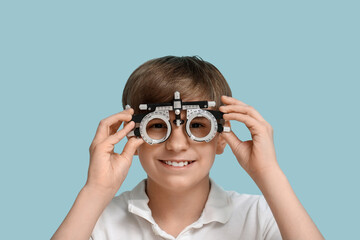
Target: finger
231, 139
249, 110
118, 136
110, 125
130, 147
230, 100
108, 144
251, 123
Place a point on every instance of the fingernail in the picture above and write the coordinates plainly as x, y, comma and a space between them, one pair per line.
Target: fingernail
127, 106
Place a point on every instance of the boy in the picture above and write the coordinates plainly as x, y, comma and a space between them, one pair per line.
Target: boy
178, 200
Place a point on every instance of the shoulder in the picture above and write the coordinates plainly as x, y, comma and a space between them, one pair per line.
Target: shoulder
241, 206
247, 201
119, 213
119, 203
250, 216
116, 210
122, 204
114, 215
250, 206
253, 212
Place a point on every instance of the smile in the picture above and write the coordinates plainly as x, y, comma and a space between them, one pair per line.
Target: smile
177, 163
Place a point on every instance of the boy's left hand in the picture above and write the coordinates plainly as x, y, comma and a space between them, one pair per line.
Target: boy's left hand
256, 156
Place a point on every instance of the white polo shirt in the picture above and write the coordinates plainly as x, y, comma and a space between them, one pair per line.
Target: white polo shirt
227, 215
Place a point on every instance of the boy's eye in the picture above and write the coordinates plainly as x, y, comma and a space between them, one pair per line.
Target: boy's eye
200, 127
158, 125
200, 122
196, 125
156, 129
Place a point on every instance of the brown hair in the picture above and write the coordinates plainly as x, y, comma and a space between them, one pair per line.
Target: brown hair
156, 80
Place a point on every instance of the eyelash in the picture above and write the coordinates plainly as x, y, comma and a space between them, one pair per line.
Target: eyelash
199, 125
157, 124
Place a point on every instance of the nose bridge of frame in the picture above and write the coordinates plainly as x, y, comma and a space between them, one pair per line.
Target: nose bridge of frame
178, 133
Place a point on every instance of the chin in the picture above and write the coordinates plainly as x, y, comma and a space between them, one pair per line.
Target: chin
178, 183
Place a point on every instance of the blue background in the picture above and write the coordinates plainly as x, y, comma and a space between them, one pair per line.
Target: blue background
63, 65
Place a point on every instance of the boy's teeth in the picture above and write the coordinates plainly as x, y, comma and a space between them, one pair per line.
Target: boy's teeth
177, 164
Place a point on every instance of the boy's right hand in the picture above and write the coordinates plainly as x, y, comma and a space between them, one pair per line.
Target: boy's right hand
108, 170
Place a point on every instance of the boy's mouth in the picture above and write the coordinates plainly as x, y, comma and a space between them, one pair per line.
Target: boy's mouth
176, 163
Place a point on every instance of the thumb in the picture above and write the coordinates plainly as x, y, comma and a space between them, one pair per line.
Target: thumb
130, 148
235, 144
240, 149
232, 140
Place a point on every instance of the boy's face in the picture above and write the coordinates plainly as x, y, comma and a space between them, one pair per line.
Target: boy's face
158, 160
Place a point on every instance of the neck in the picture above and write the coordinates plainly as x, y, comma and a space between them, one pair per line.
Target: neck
174, 209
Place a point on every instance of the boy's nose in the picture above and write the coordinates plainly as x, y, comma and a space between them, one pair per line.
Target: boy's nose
178, 140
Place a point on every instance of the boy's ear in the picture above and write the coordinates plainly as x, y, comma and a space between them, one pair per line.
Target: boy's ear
221, 144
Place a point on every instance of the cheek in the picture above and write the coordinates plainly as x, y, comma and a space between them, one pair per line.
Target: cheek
207, 150
145, 149
146, 153
143, 152
212, 149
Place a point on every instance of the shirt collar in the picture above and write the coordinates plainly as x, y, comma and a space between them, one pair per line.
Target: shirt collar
218, 206
138, 202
